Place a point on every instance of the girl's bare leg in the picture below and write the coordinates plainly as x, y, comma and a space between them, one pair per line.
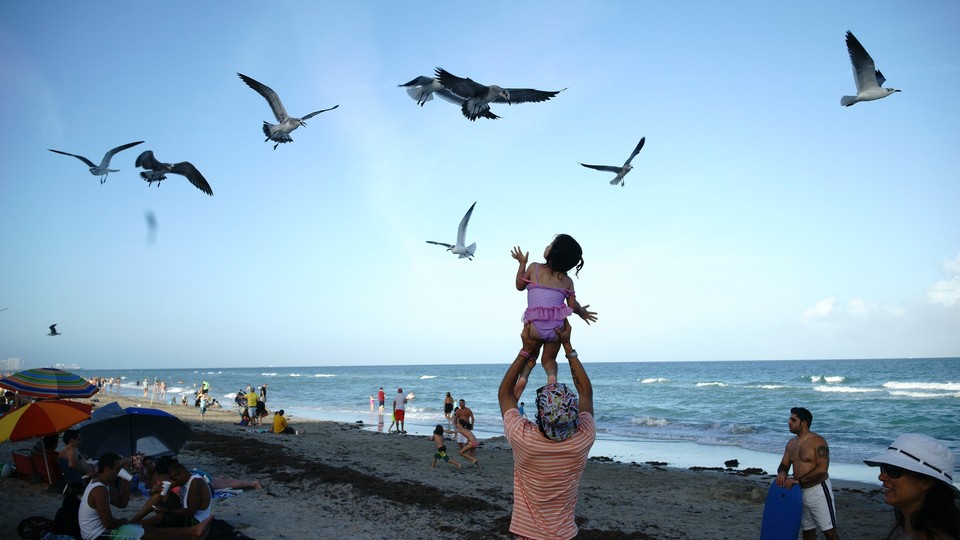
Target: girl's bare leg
549, 360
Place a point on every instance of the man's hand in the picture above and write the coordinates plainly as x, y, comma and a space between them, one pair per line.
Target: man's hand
563, 333
529, 340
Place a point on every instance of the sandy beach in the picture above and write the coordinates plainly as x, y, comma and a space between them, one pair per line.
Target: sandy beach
339, 481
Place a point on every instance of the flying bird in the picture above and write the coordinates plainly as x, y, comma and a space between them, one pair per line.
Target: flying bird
157, 171
475, 98
279, 133
422, 89
459, 248
103, 169
868, 78
621, 171
53, 331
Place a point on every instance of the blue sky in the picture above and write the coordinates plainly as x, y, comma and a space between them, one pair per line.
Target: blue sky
762, 220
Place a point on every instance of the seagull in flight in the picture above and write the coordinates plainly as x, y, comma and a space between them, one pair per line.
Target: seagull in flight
621, 171
103, 169
53, 331
475, 98
422, 89
459, 248
868, 78
279, 133
157, 171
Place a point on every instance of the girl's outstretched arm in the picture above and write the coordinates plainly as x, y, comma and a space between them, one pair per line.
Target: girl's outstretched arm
588, 316
522, 258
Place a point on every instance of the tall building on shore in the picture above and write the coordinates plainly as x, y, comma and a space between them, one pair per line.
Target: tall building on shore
10, 364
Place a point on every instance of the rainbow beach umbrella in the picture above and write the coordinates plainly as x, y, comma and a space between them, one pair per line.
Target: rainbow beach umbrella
42, 418
48, 383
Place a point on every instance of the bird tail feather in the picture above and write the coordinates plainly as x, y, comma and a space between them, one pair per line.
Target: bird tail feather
471, 249
847, 101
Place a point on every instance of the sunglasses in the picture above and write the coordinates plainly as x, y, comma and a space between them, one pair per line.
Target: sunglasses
892, 471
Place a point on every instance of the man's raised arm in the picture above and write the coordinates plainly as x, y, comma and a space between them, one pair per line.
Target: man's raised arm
505, 393
579, 375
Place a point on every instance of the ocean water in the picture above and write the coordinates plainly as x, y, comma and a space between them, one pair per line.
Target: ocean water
682, 413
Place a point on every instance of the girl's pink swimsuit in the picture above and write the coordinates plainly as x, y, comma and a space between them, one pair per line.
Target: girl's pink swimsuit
546, 307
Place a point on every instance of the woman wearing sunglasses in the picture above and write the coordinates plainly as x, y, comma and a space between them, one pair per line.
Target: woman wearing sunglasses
917, 475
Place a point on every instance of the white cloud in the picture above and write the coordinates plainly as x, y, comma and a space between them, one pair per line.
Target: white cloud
947, 291
821, 310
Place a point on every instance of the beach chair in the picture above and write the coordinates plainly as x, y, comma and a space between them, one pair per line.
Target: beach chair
49, 472
23, 464
70, 476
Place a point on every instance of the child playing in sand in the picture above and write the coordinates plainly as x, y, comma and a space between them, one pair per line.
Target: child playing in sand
441, 452
469, 450
550, 299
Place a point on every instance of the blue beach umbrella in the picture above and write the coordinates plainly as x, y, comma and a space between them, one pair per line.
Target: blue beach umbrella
126, 431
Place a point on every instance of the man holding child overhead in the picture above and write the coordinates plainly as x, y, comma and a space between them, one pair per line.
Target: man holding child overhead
549, 455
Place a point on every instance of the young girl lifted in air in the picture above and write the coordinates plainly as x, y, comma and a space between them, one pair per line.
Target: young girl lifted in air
550, 298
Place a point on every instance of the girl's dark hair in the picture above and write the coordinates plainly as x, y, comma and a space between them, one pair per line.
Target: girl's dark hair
937, 514
438, 430
565, 253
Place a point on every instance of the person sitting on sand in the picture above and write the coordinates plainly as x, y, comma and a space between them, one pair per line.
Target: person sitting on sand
71, 452
441, 452
280, 424
469, 449
550, 455
97, 521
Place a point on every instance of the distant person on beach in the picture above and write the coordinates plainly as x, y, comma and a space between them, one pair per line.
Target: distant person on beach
97, 521
447, 406
252, 405
464, 413
549, 456
381, 397
441, 452
280, 424
550, 298
523, 413
399, 408
809, 456
917, 475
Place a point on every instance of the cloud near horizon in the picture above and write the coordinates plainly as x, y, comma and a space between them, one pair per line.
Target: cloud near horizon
947, 291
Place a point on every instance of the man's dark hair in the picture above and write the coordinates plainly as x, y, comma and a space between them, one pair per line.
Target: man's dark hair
165, 464
803, 414
70, 435
108, 460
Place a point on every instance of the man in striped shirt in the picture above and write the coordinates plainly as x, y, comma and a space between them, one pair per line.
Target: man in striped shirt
550, 455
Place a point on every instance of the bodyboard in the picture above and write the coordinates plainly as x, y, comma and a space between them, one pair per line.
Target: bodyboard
781, 513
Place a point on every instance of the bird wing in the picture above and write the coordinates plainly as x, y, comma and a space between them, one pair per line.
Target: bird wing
449, 96
147, 161
439, 243
53, 328
605, 168
460, 87
527, 95
81, 158
864, 70
185, 168
422, 80
268, 94
635, 151
462, 229
880, 78
109, 155
314, 113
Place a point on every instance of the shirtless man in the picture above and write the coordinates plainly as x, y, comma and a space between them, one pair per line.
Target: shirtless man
810, 457
464, 413
71, 452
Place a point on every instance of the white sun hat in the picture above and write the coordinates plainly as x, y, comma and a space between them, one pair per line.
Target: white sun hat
921, 454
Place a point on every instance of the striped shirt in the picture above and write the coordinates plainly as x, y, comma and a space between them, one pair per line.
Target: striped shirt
546, 475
